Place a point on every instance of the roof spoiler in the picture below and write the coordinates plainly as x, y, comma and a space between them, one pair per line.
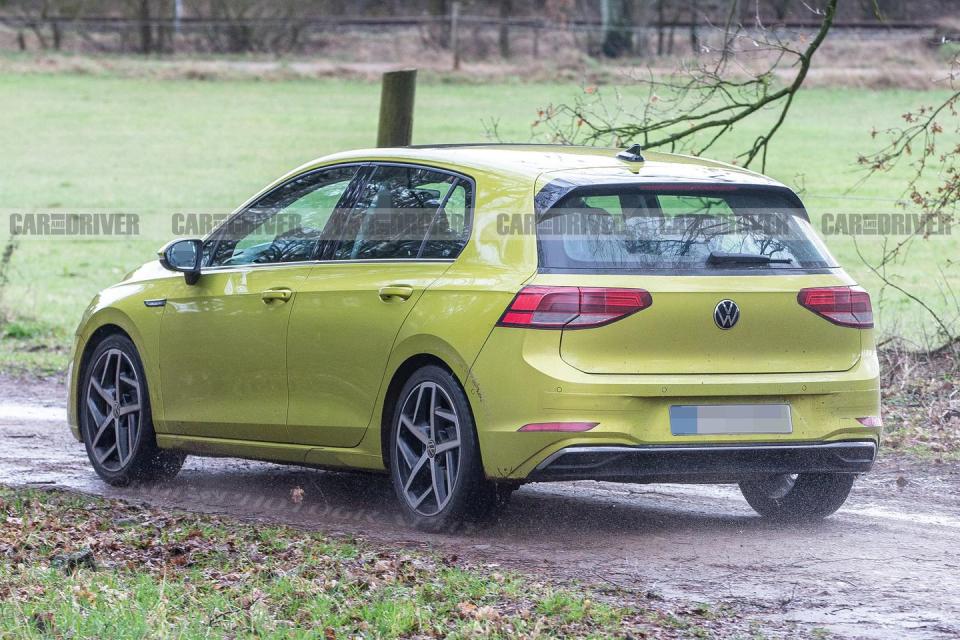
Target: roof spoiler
556, 190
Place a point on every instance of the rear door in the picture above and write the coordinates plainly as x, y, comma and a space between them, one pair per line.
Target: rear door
407, 226
724, 266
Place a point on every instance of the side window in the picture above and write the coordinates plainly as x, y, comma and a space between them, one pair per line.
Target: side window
450, 229
285, 225
404, 213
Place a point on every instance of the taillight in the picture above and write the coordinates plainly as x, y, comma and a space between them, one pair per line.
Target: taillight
572, 307
845, 306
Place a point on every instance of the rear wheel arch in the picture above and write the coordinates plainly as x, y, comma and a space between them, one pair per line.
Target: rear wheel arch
400, 376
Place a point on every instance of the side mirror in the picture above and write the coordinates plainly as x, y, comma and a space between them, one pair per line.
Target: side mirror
183, 256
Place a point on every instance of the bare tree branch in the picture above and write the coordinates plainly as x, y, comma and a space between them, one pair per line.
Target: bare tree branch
703, 99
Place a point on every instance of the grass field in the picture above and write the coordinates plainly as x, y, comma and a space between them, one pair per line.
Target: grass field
95, 143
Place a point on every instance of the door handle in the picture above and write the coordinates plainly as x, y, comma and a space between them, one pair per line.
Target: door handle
401, 291
280, 295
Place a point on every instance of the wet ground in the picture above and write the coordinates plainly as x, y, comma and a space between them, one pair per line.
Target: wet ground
885, 566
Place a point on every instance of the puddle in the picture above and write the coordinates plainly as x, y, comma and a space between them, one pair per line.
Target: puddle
13, 411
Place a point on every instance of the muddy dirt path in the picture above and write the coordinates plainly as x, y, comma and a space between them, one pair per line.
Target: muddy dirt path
885, 566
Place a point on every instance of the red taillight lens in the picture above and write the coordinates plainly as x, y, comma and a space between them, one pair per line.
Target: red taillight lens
572, 307
542, 307
845, 306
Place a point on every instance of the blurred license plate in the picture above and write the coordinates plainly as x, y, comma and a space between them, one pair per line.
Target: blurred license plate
721, 419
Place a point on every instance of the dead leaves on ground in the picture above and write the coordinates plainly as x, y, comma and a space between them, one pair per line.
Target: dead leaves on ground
921, 400
100, 547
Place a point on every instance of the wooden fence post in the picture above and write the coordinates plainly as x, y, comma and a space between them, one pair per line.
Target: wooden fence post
396, 108
455, 34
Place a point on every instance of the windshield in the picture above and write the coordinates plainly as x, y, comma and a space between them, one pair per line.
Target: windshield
682, 228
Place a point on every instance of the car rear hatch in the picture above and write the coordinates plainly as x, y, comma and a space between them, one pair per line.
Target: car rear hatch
735, 281
678, 333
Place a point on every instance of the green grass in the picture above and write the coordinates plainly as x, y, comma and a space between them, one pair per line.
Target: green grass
158, 574
82, 143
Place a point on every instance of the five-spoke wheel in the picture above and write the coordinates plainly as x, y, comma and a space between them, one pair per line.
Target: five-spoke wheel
428, 448
434, 456
115, 419
113, 402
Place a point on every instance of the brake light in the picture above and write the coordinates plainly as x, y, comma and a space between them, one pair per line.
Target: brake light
538, 307
844, 306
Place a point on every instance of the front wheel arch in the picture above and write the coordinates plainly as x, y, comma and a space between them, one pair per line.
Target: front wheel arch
100, 334
144, 462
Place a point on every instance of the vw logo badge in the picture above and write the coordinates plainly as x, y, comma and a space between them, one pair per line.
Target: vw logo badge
726, 314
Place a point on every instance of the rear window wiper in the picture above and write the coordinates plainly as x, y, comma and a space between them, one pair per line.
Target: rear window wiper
718, 258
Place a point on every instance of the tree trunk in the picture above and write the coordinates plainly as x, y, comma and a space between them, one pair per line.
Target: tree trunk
439, 29
506, 9
455, 33
694, 35
780, 8
57, 34
146, 29
617, 28
661, 27
37, 29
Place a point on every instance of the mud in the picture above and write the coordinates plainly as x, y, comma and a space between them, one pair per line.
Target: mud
885, 566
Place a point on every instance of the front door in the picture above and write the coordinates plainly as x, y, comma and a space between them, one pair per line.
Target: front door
222, 359
223, 363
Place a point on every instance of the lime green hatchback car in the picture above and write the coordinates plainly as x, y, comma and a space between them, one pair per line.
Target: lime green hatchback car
469, 318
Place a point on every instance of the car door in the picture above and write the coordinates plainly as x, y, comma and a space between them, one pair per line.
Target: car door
407, 226
223, 340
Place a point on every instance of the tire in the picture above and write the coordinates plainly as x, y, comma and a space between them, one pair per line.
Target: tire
119, 435
805, 497
440, 485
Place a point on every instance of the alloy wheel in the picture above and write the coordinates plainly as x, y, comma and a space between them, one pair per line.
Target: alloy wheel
114, 405
428, 448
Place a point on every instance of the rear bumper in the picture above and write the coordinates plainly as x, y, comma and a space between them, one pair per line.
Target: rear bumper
519, 379
694, 463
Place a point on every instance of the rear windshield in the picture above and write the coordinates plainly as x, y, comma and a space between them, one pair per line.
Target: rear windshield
678, 229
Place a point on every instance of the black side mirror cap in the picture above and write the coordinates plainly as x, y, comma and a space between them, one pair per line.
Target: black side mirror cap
184, 256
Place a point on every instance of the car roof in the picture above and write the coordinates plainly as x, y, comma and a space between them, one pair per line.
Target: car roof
584, 165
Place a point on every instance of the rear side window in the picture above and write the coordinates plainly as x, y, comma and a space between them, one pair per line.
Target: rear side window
450, 227
683, 229
407, 213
